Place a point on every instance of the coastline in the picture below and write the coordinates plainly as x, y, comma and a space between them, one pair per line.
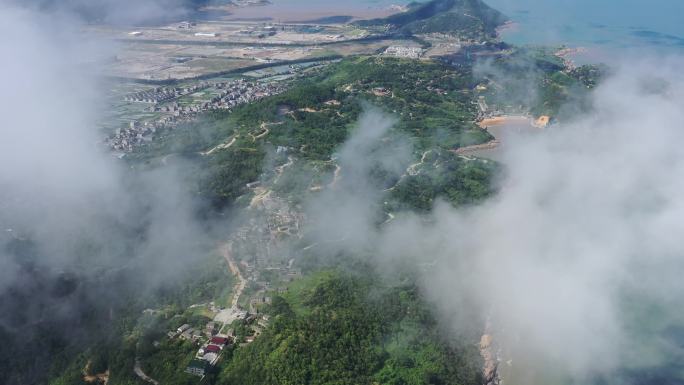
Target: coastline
496, 127
504, 120
507, 27
303, 13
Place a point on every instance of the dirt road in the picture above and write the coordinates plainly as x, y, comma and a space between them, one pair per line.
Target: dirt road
242, 282
139, 372
227, 316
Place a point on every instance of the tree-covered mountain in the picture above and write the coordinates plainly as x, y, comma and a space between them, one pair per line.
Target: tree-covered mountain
343, 329
466, 18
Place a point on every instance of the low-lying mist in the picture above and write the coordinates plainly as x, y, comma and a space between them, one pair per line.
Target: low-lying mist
577, 261
82, 233
61, 191
121, 12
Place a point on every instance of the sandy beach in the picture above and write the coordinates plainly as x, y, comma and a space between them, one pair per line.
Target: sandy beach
500, 127
504, 120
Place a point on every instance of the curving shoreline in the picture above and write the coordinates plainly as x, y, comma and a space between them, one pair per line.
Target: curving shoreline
496, 127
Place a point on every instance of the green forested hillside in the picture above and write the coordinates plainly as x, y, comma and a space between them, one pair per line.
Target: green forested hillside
536, 80
444, 175
113, 342
353, 330
432, 102
467, 18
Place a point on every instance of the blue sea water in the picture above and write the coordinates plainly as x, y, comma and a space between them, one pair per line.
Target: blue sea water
612, 24
608, 24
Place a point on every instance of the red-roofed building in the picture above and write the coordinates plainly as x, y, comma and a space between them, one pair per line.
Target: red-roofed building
220, 341
212, 349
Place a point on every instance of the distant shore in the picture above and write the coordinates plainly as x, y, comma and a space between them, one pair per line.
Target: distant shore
309, 12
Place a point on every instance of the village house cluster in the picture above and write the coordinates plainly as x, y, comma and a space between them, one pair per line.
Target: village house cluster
207, 355
231, 94
240, 91
188, 333
211, 348
263, 274
124, 139
258, 243
164, 94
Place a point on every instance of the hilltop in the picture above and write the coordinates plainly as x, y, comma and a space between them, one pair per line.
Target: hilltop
467, 18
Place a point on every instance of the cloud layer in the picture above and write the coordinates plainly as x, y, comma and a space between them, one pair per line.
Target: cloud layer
126, 12
584, 235
79, 229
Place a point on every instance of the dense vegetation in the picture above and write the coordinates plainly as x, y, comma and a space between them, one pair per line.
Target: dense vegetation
471, 19
447, 176
331, 331
433, 107
589, 74
111, 333
535, 80
332, 328
352, 330
431, 101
